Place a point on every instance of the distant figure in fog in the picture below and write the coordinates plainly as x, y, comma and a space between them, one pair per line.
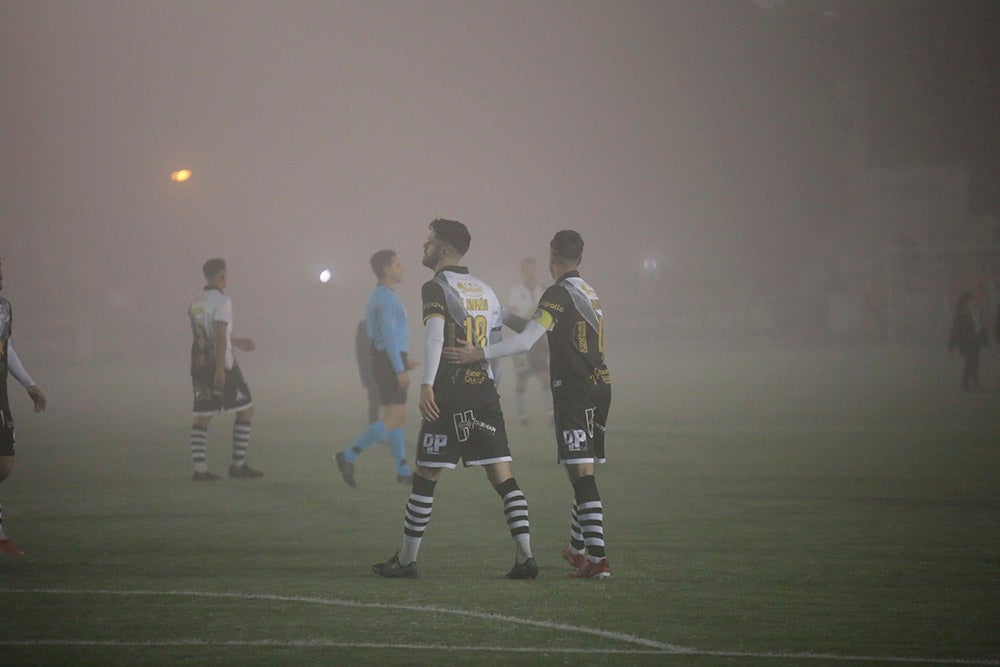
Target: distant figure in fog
967, 335
387, 343
9, 362
216, 379
522, 300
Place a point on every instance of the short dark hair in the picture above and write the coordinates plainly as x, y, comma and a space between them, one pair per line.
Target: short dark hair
380, 261
454, 233
567, 245
212, 267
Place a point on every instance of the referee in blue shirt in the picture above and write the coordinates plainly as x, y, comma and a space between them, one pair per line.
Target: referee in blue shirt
388, 340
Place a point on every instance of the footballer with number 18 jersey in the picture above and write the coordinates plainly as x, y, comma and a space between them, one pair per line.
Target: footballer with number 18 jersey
459, 402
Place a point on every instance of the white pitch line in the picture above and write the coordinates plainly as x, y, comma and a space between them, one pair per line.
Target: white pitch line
655, 647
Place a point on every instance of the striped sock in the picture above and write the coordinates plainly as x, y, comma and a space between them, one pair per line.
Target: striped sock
590, 512
241, 440
416, 518
199, 443
576, 544
515, 506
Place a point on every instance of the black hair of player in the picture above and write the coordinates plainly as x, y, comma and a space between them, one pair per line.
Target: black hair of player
380, 261
567, 245
213, 267
454, 233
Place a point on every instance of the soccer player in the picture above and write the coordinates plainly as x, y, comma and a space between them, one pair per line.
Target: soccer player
10, 362
459, 402
215, 377
388, 339
522, 301
570, 312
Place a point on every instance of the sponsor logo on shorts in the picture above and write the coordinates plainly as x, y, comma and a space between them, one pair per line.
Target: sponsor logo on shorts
575, 439
435, 442
463, 423
590, 421
474, 376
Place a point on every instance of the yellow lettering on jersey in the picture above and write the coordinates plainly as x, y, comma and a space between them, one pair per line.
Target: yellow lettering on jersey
477, 304
581, 336
469, 289
554, 307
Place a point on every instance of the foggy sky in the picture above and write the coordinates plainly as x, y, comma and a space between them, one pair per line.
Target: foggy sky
708, 135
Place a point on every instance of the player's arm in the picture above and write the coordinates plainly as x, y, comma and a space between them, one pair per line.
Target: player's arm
433, 346
17, 369
514, 321
522, 342
219, 352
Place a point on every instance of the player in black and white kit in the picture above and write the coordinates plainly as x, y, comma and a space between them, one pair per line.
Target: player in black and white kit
459, 402
570, 311
216, 379
9, 362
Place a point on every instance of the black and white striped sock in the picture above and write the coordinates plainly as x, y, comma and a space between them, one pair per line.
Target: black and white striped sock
416, 517
199, 443
576, 544
590, 512
241, 440
515, 507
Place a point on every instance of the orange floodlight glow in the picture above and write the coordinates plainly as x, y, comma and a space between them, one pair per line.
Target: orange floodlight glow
181, 175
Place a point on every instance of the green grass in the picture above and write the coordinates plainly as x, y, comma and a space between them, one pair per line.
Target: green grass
758, 500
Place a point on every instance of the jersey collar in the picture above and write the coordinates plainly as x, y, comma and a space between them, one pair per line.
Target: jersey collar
209, 288
453, 269
569, 274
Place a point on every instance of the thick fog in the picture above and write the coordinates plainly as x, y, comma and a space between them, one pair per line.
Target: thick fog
705, 150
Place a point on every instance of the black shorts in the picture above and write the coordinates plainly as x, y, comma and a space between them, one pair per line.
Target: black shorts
234, 397
6, 428
386, 379
581, 421
476, 435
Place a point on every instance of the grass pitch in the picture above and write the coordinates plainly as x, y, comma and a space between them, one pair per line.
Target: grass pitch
763, 505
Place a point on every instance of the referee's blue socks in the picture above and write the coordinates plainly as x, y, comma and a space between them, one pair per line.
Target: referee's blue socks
374, 433
397, 444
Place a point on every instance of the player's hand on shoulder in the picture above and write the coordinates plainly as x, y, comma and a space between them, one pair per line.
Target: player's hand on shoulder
38, 398
464, 353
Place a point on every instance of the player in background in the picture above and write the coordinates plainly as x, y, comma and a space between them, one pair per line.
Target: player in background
362, 353
570, 313
459, 402
10, 362
388, 341
522, 300
216, 379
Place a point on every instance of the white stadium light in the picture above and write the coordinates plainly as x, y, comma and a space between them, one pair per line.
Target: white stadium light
650, 265
325, 275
